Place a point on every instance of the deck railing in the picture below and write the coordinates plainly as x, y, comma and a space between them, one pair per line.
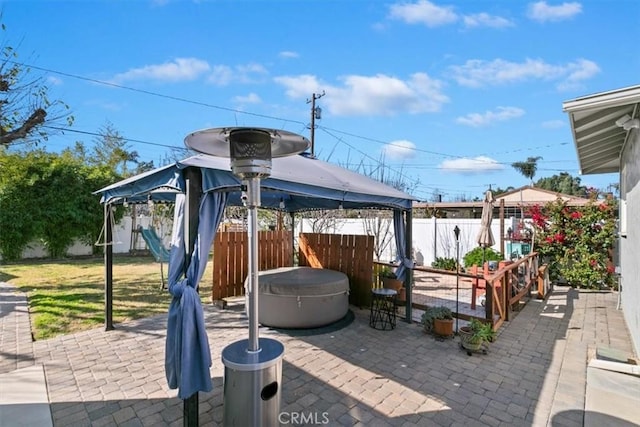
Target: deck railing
508, 287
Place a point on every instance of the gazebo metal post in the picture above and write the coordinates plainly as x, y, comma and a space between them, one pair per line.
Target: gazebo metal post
293, 236
456, 231
190, 405
108, 268
409, 279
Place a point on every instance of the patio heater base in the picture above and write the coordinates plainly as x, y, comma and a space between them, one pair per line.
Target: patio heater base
252, 383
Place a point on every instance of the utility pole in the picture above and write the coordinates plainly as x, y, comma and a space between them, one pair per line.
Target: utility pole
316, 113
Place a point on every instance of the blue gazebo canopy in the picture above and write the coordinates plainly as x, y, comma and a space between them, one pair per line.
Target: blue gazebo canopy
300, 182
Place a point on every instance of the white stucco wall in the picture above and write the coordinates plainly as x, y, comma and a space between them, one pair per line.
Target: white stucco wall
630, 246
432, 237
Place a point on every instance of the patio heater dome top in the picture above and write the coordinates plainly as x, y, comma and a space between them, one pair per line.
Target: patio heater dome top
220, 141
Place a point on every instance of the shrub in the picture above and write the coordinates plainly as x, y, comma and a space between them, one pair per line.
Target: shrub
386, 271
448, 264
576, 242
475, 256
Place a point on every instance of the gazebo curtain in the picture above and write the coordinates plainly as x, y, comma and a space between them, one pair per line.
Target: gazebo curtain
187, 353
401, 245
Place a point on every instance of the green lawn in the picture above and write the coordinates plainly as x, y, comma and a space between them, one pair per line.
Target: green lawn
67, 296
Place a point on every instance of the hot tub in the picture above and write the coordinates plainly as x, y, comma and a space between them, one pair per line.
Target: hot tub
301, 297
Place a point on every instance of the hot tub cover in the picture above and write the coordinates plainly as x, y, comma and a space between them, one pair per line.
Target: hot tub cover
302, 281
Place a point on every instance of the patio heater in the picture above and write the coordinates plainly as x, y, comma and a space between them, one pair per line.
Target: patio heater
253, 366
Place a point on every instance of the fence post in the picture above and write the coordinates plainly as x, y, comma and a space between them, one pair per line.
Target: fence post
507, 290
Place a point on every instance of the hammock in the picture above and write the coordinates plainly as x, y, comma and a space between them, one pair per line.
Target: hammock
157, 249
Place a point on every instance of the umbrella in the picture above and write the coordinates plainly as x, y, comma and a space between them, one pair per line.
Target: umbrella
485, 236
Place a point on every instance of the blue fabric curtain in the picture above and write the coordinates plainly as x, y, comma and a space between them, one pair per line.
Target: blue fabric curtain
187, 353
401, 245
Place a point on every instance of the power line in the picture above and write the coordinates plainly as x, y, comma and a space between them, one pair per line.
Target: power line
138, 141
328, 130
264, 116
159, 95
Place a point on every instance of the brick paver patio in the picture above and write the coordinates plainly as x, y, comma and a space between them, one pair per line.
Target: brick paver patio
533, 375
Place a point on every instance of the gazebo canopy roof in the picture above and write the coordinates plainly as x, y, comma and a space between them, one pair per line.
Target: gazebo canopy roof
297, 183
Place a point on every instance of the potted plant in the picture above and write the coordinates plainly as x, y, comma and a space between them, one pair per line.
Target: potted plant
389, 279
438, 320
476, 335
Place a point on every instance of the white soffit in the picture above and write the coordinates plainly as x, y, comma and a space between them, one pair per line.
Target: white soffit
597, 138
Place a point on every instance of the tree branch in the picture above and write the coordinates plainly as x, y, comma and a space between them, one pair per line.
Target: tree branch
36, 119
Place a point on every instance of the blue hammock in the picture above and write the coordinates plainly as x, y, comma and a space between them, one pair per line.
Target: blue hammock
157, 249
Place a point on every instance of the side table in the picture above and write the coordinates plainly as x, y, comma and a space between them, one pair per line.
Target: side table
383, 309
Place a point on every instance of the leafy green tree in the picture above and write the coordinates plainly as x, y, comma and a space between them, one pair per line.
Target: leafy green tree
49, 197
528, 168
563, 183
497, 191
25, 107
111, 149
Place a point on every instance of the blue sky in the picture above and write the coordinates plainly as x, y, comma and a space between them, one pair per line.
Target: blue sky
444, 93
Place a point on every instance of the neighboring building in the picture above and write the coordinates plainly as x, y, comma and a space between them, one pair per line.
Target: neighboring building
606, 134
516, 203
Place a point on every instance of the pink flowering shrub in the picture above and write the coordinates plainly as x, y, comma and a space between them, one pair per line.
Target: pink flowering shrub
577, 242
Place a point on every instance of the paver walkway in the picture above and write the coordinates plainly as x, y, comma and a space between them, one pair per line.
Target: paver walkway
534, 374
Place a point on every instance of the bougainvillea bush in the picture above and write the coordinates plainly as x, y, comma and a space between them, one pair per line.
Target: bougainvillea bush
577, 242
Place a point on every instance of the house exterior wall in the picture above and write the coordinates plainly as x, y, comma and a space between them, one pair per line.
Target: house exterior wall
630, 246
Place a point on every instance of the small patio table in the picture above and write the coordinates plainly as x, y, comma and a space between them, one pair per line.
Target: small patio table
383, 309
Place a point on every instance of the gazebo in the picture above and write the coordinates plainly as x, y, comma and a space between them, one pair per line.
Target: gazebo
202, 186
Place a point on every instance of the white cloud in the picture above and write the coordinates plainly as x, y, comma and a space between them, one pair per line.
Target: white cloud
251, 98
401, 149
486, 20
300, 86
288, 54
490, 117
180, 69
479, 73
542, 12
423, 12
553, 124
371, 95
474, 165
223, 75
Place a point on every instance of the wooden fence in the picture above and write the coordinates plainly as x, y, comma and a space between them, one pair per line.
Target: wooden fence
231, 262
350, 254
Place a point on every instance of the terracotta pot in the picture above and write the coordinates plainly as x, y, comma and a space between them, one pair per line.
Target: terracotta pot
443, 327
402, 295
389, 283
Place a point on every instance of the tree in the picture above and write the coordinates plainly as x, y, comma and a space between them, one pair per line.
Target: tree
563, 183
25, 108
498, 191
49, 197
527, 168
111, 149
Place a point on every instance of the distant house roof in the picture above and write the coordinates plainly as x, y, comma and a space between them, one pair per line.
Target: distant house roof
597, 136
532, 195
520, 197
